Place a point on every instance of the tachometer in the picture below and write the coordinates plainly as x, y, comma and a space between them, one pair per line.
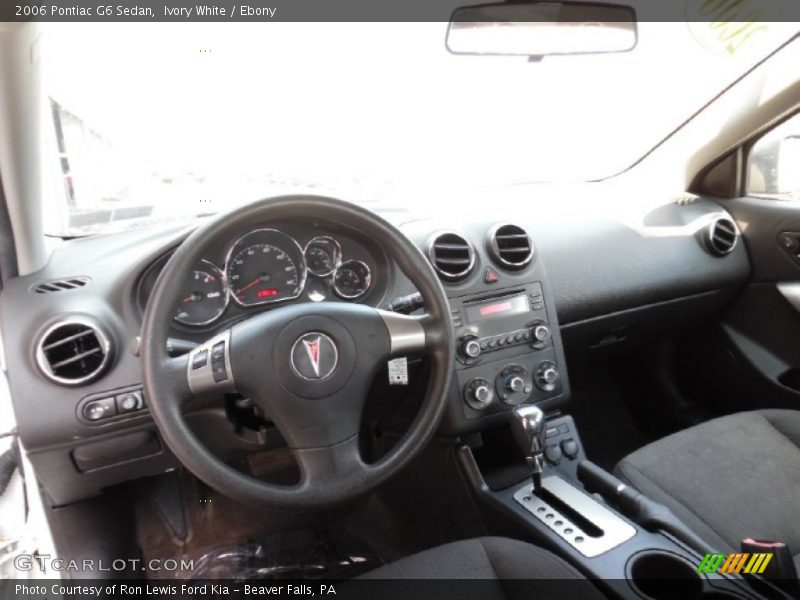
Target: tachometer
266, 270
204, 296
352, 279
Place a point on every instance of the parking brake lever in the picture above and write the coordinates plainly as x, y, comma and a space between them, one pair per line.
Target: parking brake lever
636, 506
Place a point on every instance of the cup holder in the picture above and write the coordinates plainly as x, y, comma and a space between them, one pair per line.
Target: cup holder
663, 576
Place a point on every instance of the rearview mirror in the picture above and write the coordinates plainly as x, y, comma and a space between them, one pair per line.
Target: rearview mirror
541, 28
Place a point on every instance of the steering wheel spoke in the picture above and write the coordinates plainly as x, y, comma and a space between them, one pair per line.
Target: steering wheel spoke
407, 334
327, 465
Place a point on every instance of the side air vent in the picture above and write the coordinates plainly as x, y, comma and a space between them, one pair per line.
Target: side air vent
721, 236
452, 255
73, 352
60, 285
511, 246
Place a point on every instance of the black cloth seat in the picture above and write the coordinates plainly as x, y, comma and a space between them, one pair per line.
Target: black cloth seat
729, 479
511, 569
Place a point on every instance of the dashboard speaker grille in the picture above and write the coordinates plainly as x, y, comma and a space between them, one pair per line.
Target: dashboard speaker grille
73, 352
511, 246
452, 256
721, 236
60, 285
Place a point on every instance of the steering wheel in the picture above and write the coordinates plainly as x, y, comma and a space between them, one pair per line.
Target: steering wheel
308, 365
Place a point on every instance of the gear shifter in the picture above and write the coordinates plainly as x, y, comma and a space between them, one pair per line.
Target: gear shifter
528, 426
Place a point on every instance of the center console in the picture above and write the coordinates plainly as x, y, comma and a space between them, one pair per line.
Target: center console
555, 505
505, 354
508, 353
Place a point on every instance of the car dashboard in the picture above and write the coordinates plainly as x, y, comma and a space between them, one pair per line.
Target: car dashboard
530, 289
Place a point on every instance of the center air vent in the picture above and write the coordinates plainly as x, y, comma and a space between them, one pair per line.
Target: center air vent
720, 236
451, 255
510, 246
73, 352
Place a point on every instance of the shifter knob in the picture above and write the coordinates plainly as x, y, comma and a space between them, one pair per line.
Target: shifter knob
529, 429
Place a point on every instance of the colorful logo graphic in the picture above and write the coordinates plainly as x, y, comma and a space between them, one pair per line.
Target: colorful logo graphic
736, 562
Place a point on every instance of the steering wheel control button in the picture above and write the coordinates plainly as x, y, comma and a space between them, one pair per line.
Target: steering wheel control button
570, 448
200, 359
209, 366
130, 402
102, 408
314, 356
553, 454
218, 370
478, 394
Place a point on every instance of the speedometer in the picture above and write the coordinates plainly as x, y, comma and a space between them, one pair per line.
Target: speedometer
264, 267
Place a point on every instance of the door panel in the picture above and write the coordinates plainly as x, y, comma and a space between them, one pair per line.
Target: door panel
751, 359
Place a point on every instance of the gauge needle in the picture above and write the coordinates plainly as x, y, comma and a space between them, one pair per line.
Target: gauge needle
248, 286
188, 299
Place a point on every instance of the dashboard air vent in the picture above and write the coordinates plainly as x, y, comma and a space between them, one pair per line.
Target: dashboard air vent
720, 236
73, 352
511, 246
452, 255
60, 285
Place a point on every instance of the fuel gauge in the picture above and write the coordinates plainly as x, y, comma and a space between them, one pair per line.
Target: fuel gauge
352, 279
323, 255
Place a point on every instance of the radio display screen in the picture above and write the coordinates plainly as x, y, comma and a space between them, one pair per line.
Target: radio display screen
498, 308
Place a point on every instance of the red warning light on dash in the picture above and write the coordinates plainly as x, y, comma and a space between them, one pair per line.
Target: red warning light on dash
267, 293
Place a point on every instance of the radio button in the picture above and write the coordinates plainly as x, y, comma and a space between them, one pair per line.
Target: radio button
471, 348
541, 333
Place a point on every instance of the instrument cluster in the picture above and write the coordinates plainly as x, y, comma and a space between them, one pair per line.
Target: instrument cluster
267, 266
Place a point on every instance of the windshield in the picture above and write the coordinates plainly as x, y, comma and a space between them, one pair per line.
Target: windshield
171, 121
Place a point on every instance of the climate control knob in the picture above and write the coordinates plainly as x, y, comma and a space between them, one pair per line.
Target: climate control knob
478, 394
547, 376
515, 384
470, 348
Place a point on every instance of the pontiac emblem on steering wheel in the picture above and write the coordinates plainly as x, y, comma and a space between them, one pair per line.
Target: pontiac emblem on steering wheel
314, 356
